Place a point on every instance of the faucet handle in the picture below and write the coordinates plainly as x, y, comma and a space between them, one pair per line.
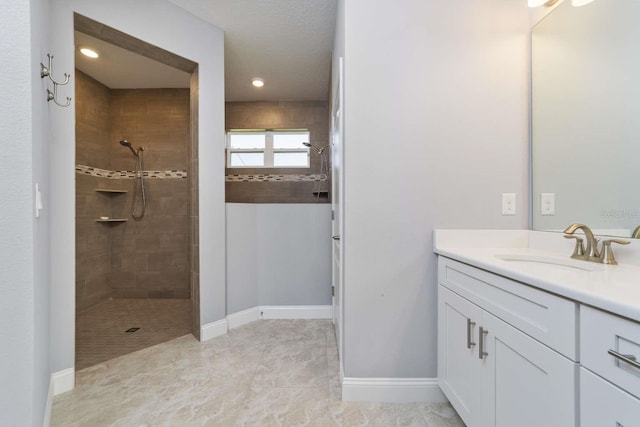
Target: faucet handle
578, 250
606, 257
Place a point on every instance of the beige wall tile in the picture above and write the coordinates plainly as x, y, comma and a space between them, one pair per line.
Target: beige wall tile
284, 115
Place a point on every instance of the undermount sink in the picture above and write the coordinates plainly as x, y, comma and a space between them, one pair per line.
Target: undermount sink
561, 263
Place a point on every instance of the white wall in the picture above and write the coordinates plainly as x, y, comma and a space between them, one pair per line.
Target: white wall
278, 254
16, 228
24, 290
436, 129
165, 25
40, 27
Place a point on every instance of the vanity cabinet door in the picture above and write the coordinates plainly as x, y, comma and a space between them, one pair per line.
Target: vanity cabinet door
603, 404
459, 368
524, 383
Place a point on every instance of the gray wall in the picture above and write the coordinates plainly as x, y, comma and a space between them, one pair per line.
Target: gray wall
24, 306
278, 254
444, 132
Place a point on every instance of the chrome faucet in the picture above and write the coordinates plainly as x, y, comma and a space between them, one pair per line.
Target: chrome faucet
591, 252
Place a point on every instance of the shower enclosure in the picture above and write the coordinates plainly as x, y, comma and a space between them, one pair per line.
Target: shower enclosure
133, 216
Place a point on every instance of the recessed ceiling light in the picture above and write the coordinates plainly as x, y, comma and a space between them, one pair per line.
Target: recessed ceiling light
87, 51
257, 82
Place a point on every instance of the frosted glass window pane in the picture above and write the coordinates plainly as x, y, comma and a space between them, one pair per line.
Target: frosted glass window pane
247, 140
247, 159
290, 140
290, 159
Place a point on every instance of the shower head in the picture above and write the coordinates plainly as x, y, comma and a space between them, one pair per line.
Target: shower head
316, 149
126, 143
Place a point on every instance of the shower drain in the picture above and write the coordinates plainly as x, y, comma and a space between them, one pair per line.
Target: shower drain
131, 330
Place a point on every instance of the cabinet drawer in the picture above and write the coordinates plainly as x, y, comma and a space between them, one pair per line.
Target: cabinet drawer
601, 332
603, 404
548, 318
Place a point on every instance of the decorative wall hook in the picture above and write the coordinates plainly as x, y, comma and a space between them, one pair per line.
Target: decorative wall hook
51, 96
46, 72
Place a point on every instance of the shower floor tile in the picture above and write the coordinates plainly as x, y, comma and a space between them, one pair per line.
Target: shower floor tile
101, 330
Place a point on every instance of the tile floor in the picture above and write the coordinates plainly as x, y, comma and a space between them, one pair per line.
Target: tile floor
100, 330
267, 373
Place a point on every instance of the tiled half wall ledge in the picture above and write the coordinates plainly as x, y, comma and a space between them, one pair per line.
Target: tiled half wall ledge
277, 178
105, 173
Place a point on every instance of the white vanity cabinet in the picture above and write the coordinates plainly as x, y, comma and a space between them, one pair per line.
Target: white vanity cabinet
499, 350
609, 379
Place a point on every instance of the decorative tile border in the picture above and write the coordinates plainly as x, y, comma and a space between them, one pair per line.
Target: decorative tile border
105, 173
277, 178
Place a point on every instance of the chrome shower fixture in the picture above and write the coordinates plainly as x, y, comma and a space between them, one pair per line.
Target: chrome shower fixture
135, 152
139, 204
316, 149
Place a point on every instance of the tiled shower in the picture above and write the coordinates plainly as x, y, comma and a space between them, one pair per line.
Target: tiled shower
117, 257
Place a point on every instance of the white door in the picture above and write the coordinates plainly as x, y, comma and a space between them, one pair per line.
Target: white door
337, 191
524, 383
459, 367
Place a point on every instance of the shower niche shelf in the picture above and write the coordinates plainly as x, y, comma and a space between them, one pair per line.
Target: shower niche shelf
110, 191
112, 220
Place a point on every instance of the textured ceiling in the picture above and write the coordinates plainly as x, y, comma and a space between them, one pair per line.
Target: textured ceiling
287, 43
119, 68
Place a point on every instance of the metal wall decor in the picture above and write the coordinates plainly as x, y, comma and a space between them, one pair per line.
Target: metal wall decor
46, 72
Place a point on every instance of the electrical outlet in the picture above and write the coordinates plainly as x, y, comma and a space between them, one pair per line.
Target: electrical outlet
508, 203
547, 203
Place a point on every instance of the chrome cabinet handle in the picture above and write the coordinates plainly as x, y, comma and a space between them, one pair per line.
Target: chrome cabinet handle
481, 352
627, 358
470, 326
335, 237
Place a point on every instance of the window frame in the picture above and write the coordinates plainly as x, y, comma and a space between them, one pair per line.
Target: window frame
269, 151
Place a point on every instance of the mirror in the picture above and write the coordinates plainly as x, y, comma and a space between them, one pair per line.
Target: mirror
586, 118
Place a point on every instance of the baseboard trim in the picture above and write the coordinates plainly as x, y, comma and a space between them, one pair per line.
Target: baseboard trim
63, 381
395, 390
243, 317
46, 421
213, 329
296, 311
267, 312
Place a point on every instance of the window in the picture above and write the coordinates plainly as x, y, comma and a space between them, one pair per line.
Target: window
267, 149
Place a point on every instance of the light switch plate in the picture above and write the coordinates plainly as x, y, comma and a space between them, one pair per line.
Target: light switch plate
508, 203
38, 200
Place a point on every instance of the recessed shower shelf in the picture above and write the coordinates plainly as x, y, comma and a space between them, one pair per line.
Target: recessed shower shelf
110, 191
112, 220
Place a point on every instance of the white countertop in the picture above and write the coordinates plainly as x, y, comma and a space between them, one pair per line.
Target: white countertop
614, 288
